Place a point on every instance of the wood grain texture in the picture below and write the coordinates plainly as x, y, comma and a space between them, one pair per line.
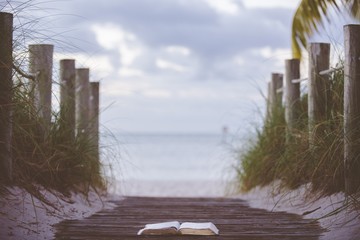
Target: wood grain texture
6, 85
352, 108
233, 217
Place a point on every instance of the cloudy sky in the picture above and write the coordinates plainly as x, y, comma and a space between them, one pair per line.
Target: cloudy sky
170, 65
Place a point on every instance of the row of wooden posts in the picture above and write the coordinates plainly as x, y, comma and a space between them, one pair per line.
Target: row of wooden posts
319, 98
79, 98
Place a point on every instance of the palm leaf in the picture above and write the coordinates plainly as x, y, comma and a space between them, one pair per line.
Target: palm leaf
307, 19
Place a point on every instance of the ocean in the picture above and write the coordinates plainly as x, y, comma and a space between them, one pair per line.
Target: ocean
164, 158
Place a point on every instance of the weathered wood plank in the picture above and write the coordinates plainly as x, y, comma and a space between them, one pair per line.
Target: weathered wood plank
234, 218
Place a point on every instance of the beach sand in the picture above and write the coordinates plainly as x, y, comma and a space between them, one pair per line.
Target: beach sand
342, 226
23, 216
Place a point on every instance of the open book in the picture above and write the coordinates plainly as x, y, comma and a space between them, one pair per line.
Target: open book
174, 227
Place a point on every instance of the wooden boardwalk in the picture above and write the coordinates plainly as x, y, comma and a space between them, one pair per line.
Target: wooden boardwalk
234, 218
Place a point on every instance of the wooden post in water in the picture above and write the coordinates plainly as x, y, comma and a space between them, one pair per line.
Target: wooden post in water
318, 90
67, 98
94, 115
40, 65
292, 90
352, 108
82, 99
6, 85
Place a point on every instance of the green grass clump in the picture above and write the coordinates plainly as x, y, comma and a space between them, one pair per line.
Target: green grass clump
258, 163
273, 157
44, 156
49, 157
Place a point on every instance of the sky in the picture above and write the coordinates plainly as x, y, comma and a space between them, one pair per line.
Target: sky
169, 66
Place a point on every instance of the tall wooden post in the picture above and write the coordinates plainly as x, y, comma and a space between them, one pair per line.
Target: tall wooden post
318, 90
292, 90
67, 98
82, 97
6, 48
94, 115
352, 108
268, 101
40, 65
275, 95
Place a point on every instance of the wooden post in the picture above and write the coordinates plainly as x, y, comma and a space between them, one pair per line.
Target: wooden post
67, 98
275, 95
352, 108
40, 65
82, 97
268, 101
318, 90
94, 115
292, 102
6, 48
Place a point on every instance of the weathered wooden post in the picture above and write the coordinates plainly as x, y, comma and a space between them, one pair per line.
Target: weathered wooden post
292, 91
82, 99
40, 65
318, 90
352, 108
67, 98
6, 48
268, 104
94, 115
276, 94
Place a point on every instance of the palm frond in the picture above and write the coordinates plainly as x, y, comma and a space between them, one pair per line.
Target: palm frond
307, 19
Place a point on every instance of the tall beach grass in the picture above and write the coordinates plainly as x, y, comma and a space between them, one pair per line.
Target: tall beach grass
44, 158
50, 158
272, 157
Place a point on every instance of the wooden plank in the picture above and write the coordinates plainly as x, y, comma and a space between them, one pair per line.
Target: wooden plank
234, 218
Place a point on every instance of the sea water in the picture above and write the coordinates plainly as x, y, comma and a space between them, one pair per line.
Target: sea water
174, 158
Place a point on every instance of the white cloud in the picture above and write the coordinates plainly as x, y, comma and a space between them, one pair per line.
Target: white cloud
113, 37
100, 65
164, 64
272, 53
239, 60
178, 50
157, 93
130, 72
224, 6
271, 4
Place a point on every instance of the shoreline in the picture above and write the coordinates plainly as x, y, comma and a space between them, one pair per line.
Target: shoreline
173, 188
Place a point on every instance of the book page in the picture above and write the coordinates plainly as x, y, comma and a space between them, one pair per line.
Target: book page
204, 228
160, 228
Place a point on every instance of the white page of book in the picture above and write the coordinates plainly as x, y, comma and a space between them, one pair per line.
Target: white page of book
205, 225
163, 225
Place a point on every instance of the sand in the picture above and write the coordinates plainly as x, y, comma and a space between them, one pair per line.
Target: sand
344, 225
23, 216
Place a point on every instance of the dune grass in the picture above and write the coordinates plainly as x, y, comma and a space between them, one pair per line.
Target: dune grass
50, 158
272, 157
44, 157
